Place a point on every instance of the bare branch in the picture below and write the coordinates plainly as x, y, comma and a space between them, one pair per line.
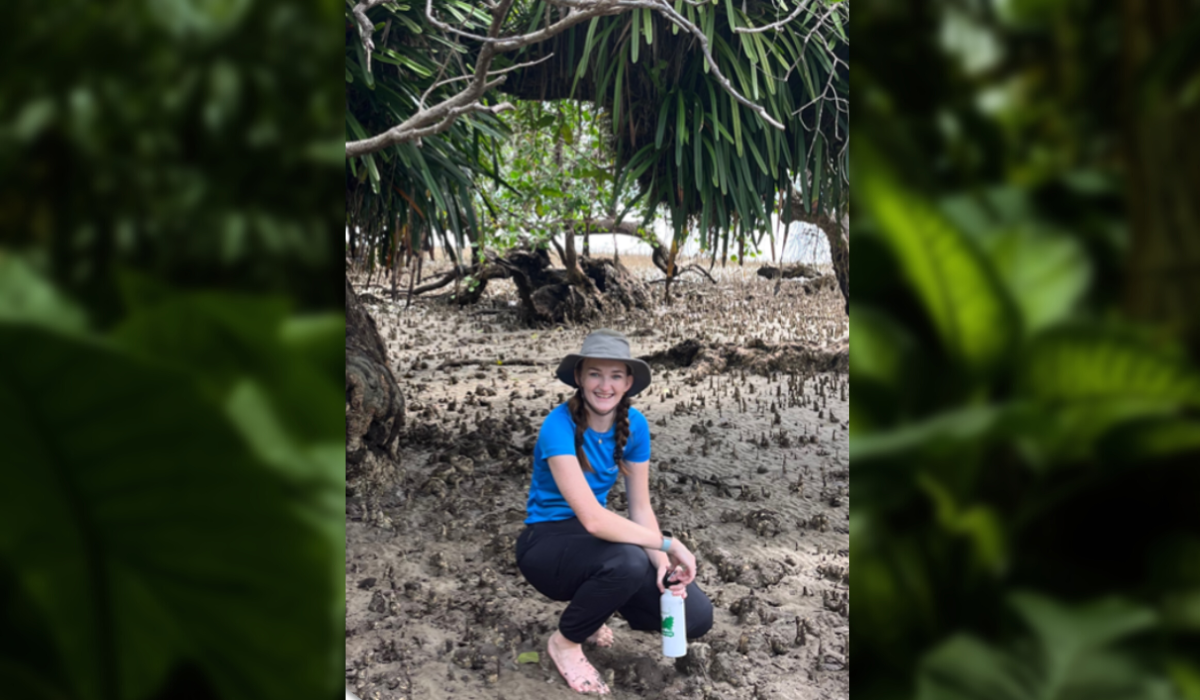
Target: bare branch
447, 81
776, 25
365, 28
432, 120
440, 73
456, 113
440, 117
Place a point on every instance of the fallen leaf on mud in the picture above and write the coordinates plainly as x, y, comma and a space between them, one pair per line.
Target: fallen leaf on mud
529, 657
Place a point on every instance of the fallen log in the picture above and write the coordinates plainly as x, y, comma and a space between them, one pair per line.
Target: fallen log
788, 272
756, 356
480, 361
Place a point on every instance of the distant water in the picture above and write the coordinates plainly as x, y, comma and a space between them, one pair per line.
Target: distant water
806, 243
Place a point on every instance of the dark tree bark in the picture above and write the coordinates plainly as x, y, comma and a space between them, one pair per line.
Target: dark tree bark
1163, 160
374, 404
578, 293
837, 232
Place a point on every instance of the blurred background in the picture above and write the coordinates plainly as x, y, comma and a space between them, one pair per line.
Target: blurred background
171, 349
1026, 328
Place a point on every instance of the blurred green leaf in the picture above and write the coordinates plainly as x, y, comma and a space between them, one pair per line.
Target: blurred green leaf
965, 667
1150, 439
1095, 363
881, 347
1094, 378
320, 338
1067, 631
26, 296
1046, 275
979, 523
144, 534
937, 434
34, 116
226, 338
1070, 657
1186, 674
254, 414
958, 287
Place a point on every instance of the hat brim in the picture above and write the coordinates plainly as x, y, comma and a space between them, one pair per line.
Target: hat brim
641, 370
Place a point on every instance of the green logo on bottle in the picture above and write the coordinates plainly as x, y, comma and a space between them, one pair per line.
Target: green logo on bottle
668, 626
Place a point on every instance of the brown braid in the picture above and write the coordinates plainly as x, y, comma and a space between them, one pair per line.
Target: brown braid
621, 420
578, 408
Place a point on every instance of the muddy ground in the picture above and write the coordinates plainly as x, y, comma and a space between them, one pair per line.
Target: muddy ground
750, 467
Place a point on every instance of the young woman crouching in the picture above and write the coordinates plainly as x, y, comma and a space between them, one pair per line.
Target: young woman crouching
572, 548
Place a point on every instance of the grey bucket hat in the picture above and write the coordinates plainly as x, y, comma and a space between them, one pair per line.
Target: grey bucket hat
604, 344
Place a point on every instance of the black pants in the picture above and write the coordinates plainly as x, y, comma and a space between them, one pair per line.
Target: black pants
563, 562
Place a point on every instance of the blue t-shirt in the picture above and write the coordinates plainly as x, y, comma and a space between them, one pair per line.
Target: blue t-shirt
557, 437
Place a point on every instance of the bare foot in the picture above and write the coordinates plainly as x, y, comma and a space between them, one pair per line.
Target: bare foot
574, 666
603, 637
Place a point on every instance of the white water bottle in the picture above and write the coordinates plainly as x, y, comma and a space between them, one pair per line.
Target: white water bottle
674, 626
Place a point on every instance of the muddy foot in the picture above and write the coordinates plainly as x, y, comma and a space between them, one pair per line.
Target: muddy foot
574, 666
603, 637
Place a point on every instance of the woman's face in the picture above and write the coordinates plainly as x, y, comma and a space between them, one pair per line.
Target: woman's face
604, 382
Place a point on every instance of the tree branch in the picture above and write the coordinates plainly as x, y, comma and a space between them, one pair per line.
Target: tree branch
776, 25
432, 120
365, 28
440, 117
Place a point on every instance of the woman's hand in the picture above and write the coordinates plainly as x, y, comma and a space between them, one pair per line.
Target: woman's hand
682, 564
663, 565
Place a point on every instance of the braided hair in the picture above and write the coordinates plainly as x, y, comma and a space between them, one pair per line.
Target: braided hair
578, 408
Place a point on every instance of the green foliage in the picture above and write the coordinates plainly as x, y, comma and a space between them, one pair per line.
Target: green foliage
109, 144
171, 523
961, 291
1009, 417
31, 299
1070, 655
713, 164
662, 134
178, 501
556, 168
1058, 395
412, 192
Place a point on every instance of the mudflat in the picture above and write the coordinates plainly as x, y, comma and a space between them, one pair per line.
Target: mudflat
748, 412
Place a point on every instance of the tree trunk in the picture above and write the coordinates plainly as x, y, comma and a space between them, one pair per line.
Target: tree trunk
839, 250
837, 232
575, 275
670, 271
1163, 159
374, 404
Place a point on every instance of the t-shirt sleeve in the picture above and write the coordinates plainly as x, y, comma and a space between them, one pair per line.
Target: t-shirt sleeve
637, 448
557, 436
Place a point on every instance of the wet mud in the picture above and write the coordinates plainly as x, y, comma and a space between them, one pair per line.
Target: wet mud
750, 467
